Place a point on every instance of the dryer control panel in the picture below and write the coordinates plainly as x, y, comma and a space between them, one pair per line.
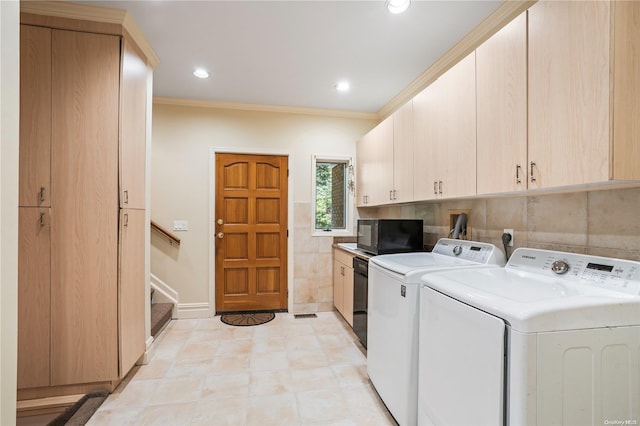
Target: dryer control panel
609, 273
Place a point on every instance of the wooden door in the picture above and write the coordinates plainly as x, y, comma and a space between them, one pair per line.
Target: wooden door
501, 75
568, 92
131, 288
84, 215
133, 118
34, 303
35, 116
251, 232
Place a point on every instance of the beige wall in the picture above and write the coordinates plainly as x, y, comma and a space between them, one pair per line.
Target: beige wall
9, 119
180, 185
601, 223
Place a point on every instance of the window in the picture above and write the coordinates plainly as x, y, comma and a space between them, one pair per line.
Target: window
332, 195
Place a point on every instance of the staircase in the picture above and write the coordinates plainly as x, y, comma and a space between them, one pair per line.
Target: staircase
161, 313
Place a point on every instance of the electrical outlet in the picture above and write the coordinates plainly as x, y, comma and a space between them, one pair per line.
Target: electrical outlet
510, 232
180, 225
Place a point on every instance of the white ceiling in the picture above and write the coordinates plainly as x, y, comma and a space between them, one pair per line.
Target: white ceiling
292, 53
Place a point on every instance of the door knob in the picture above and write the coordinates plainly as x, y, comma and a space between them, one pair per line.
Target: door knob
220, 235
220, 221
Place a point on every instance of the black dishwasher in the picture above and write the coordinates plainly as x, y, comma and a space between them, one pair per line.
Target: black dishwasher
360, 278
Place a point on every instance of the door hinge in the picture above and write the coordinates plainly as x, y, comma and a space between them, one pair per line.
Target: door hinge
287, 233
287, 172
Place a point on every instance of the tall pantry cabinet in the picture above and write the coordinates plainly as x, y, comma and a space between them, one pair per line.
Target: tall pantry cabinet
83, 138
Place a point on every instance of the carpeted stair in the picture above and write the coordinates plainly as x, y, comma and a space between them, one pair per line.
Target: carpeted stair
160, 315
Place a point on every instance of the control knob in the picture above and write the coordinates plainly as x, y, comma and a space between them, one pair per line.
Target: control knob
457, 250
560, 267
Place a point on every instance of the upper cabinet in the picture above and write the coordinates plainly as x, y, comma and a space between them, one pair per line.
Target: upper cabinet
569, 108
374, 174
501, 85
385, 165
444, 118
402, 190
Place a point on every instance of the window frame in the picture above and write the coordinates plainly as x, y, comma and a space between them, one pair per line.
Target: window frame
348, 231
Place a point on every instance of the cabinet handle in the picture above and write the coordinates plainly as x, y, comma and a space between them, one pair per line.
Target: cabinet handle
390, 195
440, 187
533, 178
395, 194
342, 271
41, 220
126, 196
365, 199
42, 194
518, 180
126, 220
435, 187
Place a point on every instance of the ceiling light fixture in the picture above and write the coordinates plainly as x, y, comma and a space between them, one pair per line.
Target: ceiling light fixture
342, 86
397, 6
201, 73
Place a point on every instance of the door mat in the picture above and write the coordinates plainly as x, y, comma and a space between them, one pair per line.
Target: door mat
244, 319
80, 412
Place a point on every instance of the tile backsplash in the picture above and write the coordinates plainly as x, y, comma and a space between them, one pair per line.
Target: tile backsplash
602, 223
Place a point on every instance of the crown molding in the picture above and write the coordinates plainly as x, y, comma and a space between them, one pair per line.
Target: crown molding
84, 12
264, 108
504, 14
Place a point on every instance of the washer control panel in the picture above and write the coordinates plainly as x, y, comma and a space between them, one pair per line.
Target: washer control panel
473, 251
613, 274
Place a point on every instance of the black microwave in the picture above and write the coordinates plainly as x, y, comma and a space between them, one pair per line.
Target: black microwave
383, 236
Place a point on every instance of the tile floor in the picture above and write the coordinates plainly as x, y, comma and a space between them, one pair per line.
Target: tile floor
306, 371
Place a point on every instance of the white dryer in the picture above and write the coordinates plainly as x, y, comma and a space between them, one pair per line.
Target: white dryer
393, 307
551, 339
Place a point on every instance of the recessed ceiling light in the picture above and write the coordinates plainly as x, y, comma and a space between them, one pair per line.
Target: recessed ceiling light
398, 6
342, 86
201, 73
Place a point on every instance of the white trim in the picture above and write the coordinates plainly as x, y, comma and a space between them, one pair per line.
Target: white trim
265, 108
348, 220
148, 352
193, 310
164, 289
212, 217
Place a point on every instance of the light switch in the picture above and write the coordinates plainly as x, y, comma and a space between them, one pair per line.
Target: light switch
180, 225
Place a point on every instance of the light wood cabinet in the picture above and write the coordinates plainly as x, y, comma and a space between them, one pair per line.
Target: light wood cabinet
385, 165
82, 260
34, 300
569, 87
403, 154
374, 174
444, 117
343, 284
501, 90
35, 117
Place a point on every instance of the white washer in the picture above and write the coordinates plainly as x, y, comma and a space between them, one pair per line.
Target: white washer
393, 304
551, 339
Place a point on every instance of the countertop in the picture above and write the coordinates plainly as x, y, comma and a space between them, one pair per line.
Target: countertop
352, 248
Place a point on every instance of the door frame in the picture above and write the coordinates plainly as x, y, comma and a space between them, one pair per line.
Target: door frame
213, 150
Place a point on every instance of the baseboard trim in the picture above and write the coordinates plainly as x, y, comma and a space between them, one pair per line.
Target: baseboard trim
165, 292
148, 353
193, 310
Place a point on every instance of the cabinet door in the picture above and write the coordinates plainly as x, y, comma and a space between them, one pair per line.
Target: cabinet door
35, 117
425, 173
84, 223
338, 286
34, 305
403, 154
131, 300
501, 78
348, 295
455, 134
133, 111
569, 92
375, 165
364, 169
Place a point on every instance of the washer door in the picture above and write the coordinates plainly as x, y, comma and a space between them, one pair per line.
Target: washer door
461, 363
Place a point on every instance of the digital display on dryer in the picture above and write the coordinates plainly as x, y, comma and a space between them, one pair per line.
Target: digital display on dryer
598, 267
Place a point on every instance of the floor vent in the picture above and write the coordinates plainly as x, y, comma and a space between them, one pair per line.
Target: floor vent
298, 316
